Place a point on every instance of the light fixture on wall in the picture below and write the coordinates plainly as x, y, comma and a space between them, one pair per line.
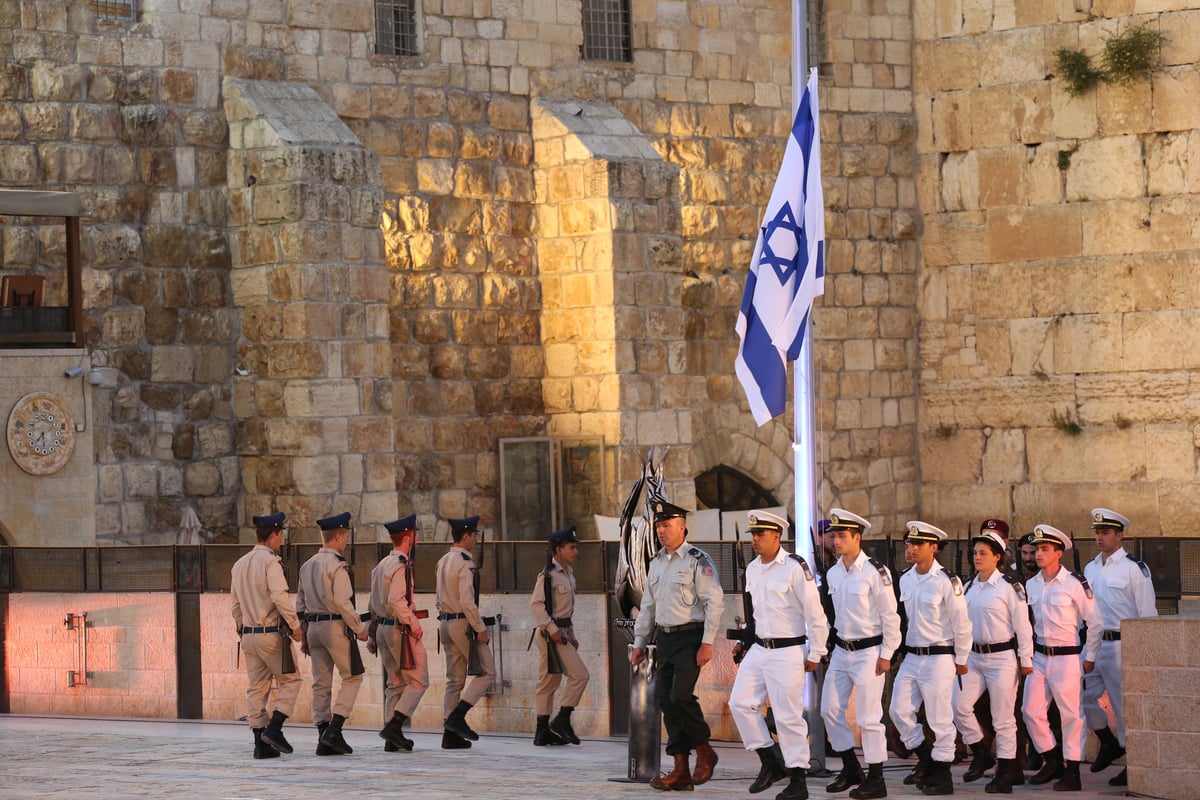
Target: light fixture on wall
74, 372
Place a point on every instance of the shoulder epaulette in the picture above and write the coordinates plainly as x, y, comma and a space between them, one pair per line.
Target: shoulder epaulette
466, 556
1015, 582
1142, 566
955, 581
403, 558
882, 569
1087, 587
803, 565
341, 557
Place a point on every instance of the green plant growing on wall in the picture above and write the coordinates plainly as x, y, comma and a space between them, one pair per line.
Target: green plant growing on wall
1065, 423
1127, 57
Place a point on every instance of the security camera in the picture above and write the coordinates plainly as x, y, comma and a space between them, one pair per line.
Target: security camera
74, 372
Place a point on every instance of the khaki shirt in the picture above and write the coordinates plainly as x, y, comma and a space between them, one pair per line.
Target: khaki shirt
456, 587
389, 582
325, 588
681, 587
562, 584
259, 590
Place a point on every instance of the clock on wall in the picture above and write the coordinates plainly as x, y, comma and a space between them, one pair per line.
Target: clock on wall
41, 433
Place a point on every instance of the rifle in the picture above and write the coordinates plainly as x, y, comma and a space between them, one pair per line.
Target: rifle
474, 664
1083, 628
823, 587
744, 633
407, 659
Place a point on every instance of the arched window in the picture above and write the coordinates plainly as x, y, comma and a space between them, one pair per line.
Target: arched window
730, 490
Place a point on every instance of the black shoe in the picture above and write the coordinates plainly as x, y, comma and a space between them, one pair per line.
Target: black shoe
333, 739
797, 788
851, 774
1069, 782
981, 762
920, 772
873, 787
1121, 779
261, 748
543, 736
393, 732
939, 781
1015, 774
1002, 782
773, 768
1052, 768
1110, 750
457, 722
273, 734
324, 749
388, 747
452, 741
561, 726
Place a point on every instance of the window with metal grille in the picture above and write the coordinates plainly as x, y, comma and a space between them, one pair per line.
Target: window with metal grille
122, 10
396, 28
606, 31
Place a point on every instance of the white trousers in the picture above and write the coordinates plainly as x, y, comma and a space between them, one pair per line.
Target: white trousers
854, 674
1056, 678
928, 680
777, 675
996, 674
1106, 677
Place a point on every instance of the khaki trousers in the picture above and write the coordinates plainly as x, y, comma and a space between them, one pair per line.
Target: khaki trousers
405, 687
264, 661
328, 648
574, 670
457, 646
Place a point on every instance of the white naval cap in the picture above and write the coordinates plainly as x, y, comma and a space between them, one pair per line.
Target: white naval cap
842, 520
766, 521
919, 531
994, 537
1051, 535
1107, 518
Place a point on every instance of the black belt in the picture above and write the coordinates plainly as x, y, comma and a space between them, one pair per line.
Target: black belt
930, 650
1111, 636
687, 626
322, 617
260, 629
1058, 651
386, 620
1000, 647
775, 644
451, 616
563, 622
858, 644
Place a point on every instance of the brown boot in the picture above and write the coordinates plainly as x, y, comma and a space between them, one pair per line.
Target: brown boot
678, 780
706, 759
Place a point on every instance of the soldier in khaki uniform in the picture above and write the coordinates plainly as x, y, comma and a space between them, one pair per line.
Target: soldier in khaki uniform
459, 615
555, 625
326, 601
265, 618
397, 631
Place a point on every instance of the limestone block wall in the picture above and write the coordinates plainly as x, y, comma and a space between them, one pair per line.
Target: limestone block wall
1056, 297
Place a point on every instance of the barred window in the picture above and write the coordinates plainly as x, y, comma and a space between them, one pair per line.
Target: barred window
396, 28
606, 31
123, 10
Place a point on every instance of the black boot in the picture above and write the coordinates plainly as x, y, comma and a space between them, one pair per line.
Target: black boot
393, 732
1069, 782
873, 787
924, 753
981, 762
452, 741
1120, 779
1016, 776
261, 748
1110, 750
797, 788
1002, 782
851, 774
273, 734
457, 722
939, 781
1052, 767
773, 768
332, 737
561, 725
542, 735
322, 748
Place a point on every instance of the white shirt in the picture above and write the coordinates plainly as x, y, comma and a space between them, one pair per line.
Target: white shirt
936, 610
998, 612
1060, 606
1122, 590
787, 603
864, 605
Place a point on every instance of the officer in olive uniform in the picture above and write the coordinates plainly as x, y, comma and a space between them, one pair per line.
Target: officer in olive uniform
398, 630
326, 603
1123, 590
555, 625
267, 624
681, 608
460, 618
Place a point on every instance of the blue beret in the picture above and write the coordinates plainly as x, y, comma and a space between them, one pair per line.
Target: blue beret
563, 537
333, 523
824, 525
270, 520
664, 510
408, 523
464, 525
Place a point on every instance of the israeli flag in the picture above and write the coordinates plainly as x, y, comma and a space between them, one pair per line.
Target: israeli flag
787, 271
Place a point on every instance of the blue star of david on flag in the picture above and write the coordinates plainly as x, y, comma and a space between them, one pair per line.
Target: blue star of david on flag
780, 237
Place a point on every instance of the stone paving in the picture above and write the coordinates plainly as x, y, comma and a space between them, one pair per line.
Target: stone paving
102, 759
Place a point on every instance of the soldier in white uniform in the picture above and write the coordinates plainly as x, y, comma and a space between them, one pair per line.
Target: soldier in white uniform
460, 618
937, 644
1123, 590
868, 634
790, 632
552, 611
1002, 650
325, 604
267, 624
681, 608
397, 634
1061, 602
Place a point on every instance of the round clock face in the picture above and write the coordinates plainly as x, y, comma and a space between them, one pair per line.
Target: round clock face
41, 433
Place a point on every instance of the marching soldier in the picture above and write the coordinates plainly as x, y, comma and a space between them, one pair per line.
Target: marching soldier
868, 634
552, 607
458, 611
267, 625
787, 616
936, 646
681, 609
1123, 590
1061, 602
397, 634
326, 601
1002, 651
